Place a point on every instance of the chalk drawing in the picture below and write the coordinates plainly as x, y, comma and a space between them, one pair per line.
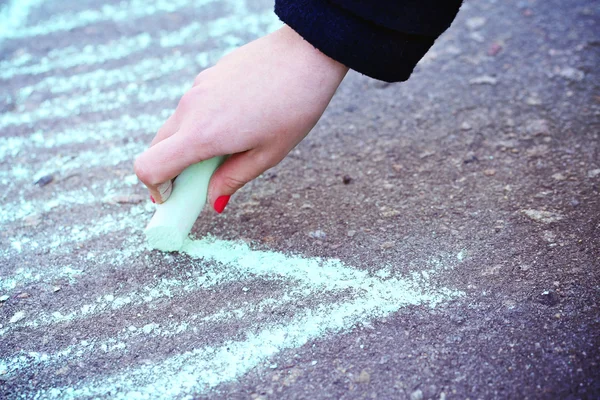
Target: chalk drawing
132, 218
87, 159
72, 56
110, 129
225, 30
124, 11
62, 201
93, 102
28, 275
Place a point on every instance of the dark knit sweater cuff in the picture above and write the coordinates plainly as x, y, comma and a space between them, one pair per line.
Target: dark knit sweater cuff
359, 44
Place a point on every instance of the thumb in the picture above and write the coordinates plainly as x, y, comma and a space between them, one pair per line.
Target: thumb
162, 162
233, 174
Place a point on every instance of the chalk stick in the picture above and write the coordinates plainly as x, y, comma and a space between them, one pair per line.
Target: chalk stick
173, 220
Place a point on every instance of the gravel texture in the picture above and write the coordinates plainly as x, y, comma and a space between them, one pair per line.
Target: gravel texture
458, 215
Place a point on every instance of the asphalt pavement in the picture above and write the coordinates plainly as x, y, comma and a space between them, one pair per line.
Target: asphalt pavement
432, 239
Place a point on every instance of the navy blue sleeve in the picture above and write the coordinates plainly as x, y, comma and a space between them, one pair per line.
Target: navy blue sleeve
383, 39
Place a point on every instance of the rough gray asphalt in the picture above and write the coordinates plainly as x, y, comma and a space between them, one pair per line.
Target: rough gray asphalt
491, 150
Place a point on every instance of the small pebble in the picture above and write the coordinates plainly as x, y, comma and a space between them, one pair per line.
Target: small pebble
416, 395
533, 100
543, 216
62, 371
593, 173
318, 234
388, 245
484, 80
56, 289
32, 220
3, 298
20, 315
351, 233
494, 49
44, 180
489, 172
364, 377
475, 22
426, 153
347, 179
571, 74
125, 199
537, 127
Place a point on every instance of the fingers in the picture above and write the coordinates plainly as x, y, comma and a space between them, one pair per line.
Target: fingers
162, 192
235, 172
161, 163
168, 129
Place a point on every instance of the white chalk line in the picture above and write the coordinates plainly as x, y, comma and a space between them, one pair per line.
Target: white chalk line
62, 201
81, 162
144, 70
61, 242
96, 102
92, 99
120, 12
226, 29
23, 276
104, 130
25, 63
14, 14
71, 56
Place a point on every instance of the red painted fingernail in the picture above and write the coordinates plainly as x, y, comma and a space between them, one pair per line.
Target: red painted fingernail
152, 198
220, 203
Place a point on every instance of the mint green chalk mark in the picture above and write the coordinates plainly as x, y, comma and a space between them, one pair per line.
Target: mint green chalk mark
200, 370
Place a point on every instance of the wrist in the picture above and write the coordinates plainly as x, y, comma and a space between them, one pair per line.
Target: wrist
318, 61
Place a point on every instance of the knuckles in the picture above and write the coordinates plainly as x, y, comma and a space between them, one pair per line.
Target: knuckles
202, 77
233, 183
187, 101
268, 160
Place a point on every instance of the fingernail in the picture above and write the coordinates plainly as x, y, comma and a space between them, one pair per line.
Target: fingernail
152, 198
165, 190
220, 203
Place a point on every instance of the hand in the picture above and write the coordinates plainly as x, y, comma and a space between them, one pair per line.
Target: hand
257, 103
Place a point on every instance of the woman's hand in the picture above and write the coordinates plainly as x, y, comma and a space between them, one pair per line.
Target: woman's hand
257, 103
